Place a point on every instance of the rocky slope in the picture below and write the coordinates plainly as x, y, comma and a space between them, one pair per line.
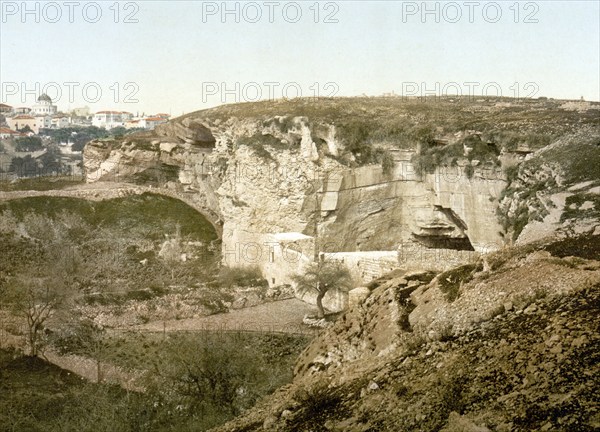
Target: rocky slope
556, 190
510, 344
348, 167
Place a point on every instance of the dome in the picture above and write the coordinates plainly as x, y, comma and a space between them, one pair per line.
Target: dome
44, 97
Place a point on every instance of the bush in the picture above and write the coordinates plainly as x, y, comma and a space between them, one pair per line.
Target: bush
432, 156
451, 280
316, 400
240, 276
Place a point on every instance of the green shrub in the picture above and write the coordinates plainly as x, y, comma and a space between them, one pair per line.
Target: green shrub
28, 144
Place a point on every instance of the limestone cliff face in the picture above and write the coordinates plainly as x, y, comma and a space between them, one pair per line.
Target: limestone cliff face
556, 191
258, 177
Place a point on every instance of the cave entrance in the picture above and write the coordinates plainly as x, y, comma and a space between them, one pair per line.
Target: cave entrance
442, 242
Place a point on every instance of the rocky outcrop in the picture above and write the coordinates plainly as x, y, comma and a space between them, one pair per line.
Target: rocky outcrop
277, 175
556, 191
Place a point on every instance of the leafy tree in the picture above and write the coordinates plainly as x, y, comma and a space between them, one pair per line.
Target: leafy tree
320, 277
51, 163
28, 144
23, 166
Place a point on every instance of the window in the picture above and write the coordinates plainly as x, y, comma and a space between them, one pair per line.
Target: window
273, 281
272, 257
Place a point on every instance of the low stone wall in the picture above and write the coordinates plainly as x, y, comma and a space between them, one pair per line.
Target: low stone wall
366, 266
414, 256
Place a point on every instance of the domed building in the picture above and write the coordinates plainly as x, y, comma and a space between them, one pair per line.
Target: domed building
44, 106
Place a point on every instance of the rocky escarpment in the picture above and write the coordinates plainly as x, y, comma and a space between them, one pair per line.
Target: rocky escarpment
514, 347
557, 190
340, 171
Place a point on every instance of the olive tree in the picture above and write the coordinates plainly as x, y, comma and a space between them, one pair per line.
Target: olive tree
322, 276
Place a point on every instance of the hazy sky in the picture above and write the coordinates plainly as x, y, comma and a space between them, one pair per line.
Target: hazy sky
185, 55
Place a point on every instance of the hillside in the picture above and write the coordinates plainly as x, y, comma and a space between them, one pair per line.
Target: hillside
516, 350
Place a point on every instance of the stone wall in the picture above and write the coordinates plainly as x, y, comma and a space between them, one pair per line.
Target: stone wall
366, 266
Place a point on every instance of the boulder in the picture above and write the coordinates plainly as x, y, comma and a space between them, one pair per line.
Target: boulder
357, 296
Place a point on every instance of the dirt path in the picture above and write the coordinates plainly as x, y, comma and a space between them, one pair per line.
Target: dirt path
283, 316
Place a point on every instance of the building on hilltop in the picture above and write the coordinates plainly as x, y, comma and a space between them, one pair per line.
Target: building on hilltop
132, 124
151, 122
111, 119
5, 109
9, 133
59, 121
21, 121
44, 106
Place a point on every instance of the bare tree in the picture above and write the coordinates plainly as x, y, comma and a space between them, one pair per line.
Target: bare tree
35, 300
320, 277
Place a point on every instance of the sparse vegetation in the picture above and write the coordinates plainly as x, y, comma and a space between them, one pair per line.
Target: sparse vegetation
450, 281
433, 155
41, 183
241, 276
260, 144
109, 249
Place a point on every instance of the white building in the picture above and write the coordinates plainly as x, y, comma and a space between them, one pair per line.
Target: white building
18, 122
8, 133
44, 122
131, 124
5, 109
151, 122
59, 121
44, 106
111, 119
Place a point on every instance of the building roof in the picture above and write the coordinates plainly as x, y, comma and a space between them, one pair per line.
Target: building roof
5, 130
23, 117
163, 115
154, 119
5, 106
110, 112
44, 97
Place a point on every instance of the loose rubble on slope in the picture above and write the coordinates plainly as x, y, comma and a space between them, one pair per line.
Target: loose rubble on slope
523, 360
